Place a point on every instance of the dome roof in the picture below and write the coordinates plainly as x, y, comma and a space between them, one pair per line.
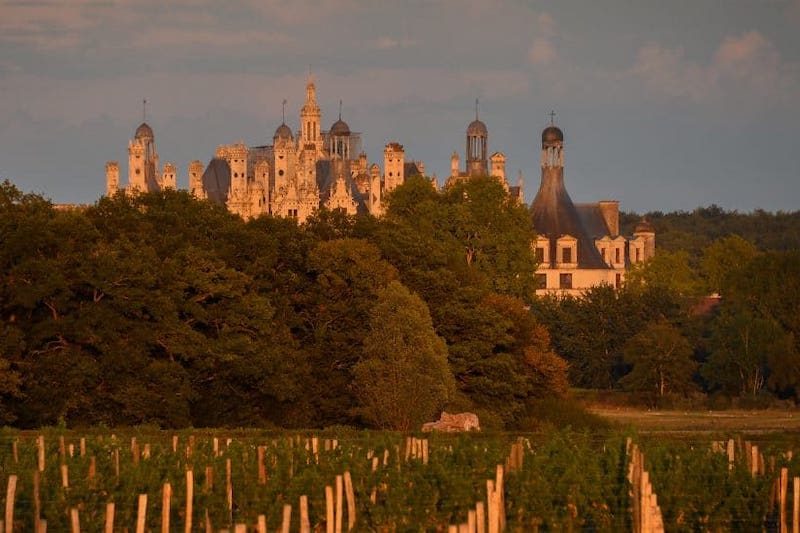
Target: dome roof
144, 130
477, 127
643, 226
340, 127
283, 132
552, 134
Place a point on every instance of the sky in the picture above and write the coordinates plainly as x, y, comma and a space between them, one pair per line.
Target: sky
665, 106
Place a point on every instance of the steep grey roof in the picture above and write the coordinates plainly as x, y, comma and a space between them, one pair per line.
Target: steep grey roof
217, 180
592, 220
554, 215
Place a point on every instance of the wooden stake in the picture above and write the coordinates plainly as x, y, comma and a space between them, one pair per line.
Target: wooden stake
783, 489
796, 506
116, 462
189, 497
329, 509
141, 514
339, 504
110, 517
40, 449
492, 509
75, 522
10, 494
262, 524
37, 504
730, 450
229, 489
287, 518
92, 467
209, 481
65, 476
305, 524
351, 501
262, 468
166, 497
480, 518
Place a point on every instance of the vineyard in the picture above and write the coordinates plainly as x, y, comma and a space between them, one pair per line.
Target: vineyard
146, 480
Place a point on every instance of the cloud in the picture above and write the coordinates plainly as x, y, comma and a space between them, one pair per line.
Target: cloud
742, 65
542, 50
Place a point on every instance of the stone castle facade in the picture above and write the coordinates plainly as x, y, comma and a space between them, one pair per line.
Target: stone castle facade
578, 245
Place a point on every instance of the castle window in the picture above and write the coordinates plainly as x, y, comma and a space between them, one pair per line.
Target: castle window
541, 281
280, 172
638, 255
566, 255
540, 254
618, 281
565, 281
617, 255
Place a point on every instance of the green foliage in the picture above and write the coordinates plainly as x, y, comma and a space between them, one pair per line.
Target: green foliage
403, 378
661, 360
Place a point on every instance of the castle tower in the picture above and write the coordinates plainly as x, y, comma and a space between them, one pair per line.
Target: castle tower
644, 233
393, 166
454, 165
238, 201
310, 118
143, 160
238, 162
112, 178
374, 203
554, 215
284, 154
168, 180
196, 179
498, 160
477, 140
340, 138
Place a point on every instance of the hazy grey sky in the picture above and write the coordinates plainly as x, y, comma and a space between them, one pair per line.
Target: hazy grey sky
665, 105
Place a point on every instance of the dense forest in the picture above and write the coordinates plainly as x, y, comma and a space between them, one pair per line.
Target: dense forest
161, 309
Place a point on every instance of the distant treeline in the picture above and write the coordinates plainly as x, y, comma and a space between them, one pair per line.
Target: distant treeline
693, 231
162, 309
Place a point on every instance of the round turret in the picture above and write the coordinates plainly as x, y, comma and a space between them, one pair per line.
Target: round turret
340, 128
552, 134
477, 127
283, 133
643, 226
144, 131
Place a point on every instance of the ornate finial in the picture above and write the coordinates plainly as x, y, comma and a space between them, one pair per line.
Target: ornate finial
340, 109
144, 110
283, 112
552, 117
476, 109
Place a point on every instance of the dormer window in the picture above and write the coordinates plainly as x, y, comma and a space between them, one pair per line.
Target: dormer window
567, 251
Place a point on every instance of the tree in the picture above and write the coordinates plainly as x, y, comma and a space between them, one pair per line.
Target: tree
750, 353
661, 360
402, 378
723, 258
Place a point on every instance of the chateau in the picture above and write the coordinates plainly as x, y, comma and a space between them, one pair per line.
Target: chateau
578, 245
299, 172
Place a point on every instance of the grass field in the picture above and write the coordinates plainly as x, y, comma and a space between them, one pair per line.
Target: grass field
703, 422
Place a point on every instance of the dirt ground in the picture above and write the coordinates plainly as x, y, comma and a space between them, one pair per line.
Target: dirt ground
738, 421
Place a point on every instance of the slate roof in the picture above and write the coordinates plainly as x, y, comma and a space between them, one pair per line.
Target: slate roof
554, 214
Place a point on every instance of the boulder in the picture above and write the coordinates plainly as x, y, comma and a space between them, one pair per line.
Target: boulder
453, 423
